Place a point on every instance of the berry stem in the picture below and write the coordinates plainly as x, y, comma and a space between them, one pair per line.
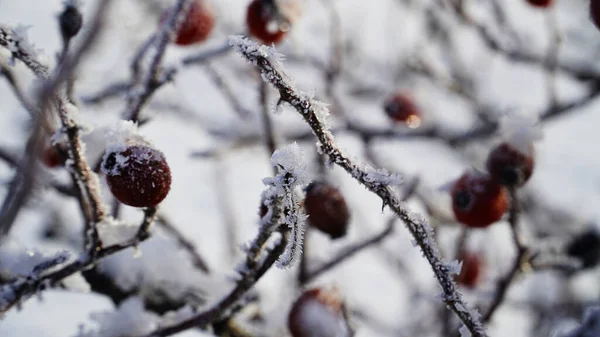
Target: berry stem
522, 252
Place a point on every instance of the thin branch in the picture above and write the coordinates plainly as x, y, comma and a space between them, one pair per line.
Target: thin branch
25, 176
227, 91
119, 88
189, 247
154, 79
349, 252
269, 131
522, 251
17, 90
252, 273
265, 59
22, 289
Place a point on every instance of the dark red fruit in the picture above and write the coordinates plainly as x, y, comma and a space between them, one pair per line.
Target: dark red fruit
400, 107
509, 167
318, 312
595, 12
264, 22
477, 201
326, 209
541, 3
586, 248
197, 24
138, 175
51, 157
472, 266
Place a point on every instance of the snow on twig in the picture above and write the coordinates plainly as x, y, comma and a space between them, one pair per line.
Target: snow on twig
314, 113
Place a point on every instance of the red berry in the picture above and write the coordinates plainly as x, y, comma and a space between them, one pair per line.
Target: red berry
477, 201
472, 265
326, 209
595, 12
264, 23
51, 157
318, 312
400, 107
510, 167
137, 175
197, 24
540, 3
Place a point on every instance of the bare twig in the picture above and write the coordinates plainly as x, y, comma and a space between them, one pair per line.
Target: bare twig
227, 91
522, 251
154, 79
189, 247
349, 252
119, 88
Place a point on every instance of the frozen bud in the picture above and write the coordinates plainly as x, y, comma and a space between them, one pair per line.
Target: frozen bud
70, 21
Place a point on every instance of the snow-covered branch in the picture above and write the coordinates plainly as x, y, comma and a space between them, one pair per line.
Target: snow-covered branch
84, 179
315, 113
22, 288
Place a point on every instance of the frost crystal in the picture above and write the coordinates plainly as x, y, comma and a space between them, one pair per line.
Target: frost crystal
381, 176
130, 319
290, 161
464, 331
244, 46
520, 131
454, 267
268, 60
119, 138
19, 33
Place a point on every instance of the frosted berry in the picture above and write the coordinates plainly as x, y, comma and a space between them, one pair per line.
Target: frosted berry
137, 175
472, 267
401, 109
510, 167
541, 3
586, 248
70, 22
477, 201
265, 23
318, 312
197, 24
326, 209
